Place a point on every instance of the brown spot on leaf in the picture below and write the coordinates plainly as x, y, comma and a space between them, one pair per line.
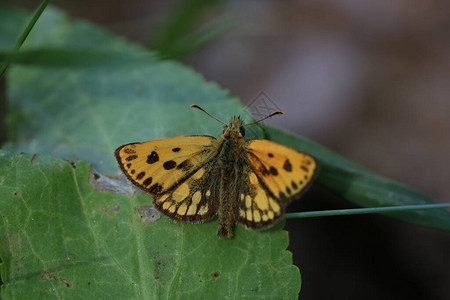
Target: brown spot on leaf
148, 214
215, 275
65, 282
34, 159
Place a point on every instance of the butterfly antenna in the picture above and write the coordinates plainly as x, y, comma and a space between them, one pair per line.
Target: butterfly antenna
279, 112
204, 110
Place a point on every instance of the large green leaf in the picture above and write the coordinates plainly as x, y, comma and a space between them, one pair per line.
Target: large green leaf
62, 239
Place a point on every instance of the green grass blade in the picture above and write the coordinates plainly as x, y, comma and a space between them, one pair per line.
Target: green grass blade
76, 58
360, 211
181, 34
25, 33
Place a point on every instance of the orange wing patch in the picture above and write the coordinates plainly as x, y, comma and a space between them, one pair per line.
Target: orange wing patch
284, 171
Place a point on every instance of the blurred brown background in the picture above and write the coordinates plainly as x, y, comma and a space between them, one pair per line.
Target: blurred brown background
368, 79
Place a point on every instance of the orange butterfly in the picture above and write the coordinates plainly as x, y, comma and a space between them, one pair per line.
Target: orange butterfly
193, 178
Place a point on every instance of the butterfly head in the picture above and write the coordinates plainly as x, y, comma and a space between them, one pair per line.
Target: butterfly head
234, 128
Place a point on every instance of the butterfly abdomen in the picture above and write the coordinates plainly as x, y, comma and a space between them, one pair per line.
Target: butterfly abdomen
231, 167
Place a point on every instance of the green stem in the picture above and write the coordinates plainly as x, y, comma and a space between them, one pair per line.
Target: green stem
359, 211
26, 32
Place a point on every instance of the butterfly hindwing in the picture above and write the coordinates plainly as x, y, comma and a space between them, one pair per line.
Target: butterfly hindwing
256, 207
194, 200
159, 165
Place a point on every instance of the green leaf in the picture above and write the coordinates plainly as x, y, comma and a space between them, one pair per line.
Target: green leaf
362, 186
62, 239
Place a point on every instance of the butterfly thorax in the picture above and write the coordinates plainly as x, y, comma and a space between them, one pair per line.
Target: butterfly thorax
233, 146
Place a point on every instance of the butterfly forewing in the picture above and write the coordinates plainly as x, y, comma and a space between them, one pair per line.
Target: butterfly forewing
282, 172
158, 166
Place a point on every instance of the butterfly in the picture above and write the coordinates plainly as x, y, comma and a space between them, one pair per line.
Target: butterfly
193, 178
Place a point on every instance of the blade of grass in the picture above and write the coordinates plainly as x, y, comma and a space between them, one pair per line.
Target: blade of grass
360, 211
75, 58
26, 32
195, 41
180, 35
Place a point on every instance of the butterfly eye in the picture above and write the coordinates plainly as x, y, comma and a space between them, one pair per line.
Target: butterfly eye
242, 130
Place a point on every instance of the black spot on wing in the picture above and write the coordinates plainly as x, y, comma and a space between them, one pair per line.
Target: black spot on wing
147, 181
129, 151
287, 165
282, 197
288, 190
152, 158
177, 149
273, 171
169, 165
156, 188
185, 165
131, 157
307, 162
140, 175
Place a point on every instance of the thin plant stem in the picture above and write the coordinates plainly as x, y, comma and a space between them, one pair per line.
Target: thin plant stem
360, 211
26, 32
